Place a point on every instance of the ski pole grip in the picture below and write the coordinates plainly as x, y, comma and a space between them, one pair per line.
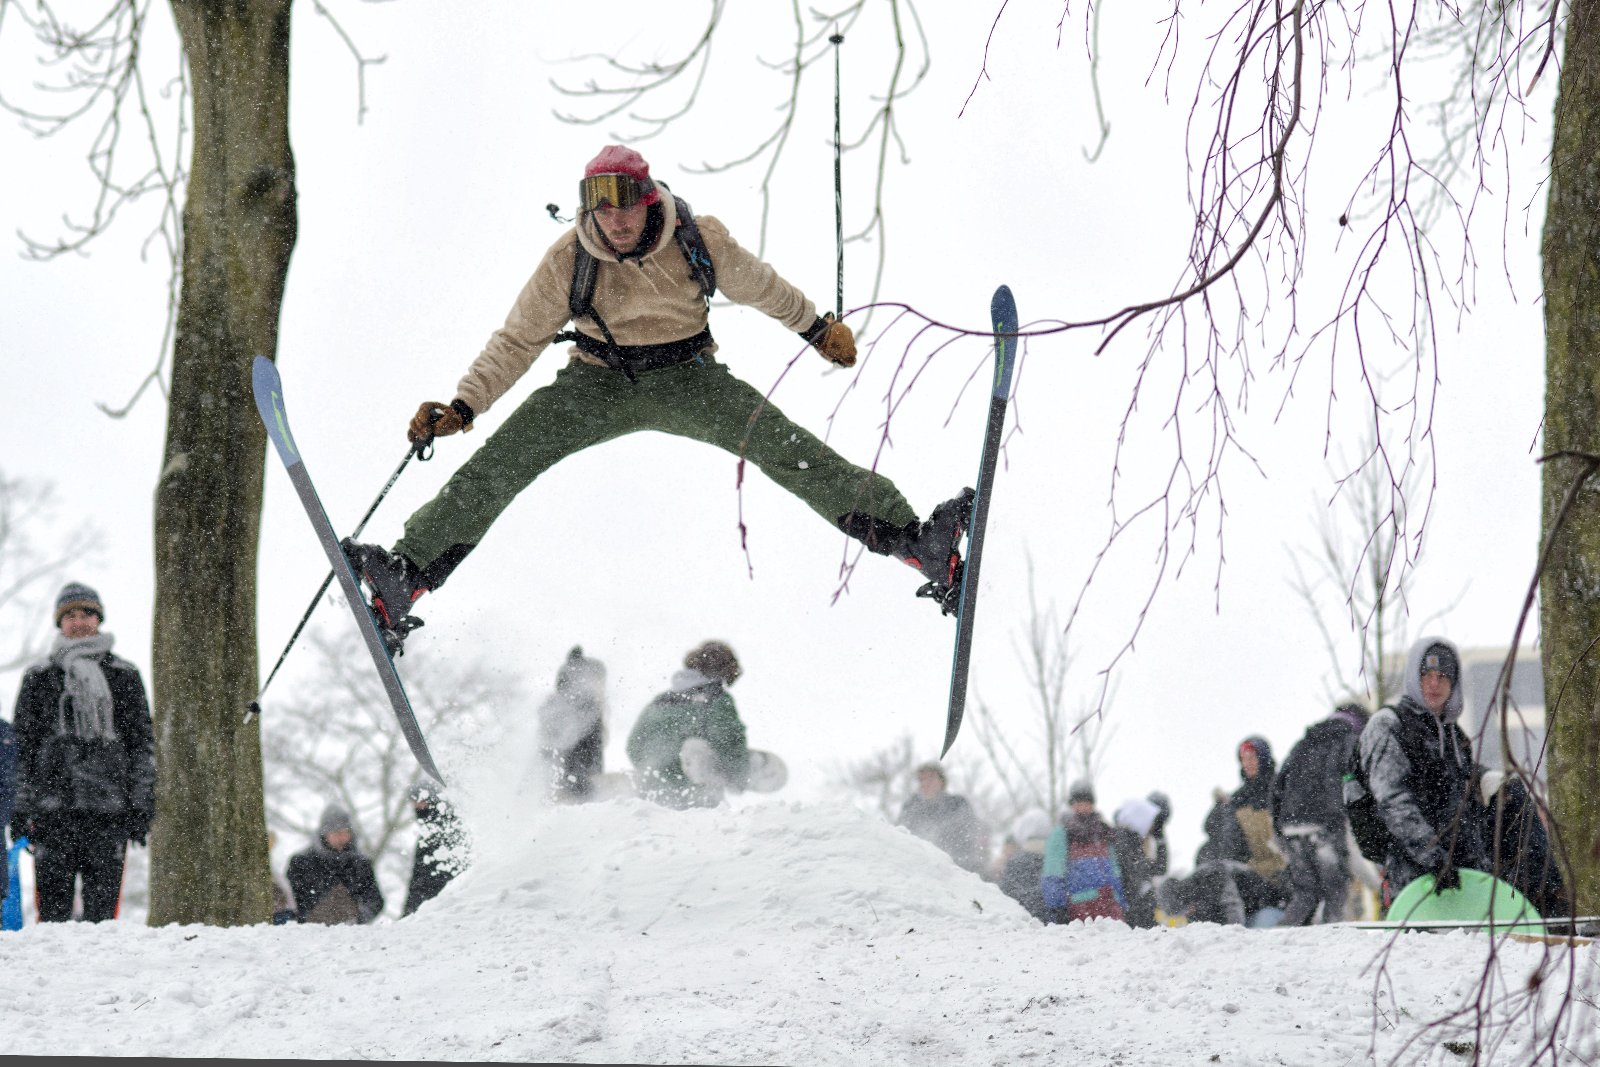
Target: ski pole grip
423, 449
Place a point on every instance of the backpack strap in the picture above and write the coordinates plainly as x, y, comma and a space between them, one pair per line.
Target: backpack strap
693, 247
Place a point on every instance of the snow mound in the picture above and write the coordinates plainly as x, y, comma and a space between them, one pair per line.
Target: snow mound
771, 933
767, 868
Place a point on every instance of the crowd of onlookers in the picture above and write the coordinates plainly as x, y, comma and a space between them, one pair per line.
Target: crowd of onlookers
1381, 798
1364, 802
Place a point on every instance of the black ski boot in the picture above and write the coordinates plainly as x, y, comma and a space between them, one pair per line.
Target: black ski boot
395, 584
935, 550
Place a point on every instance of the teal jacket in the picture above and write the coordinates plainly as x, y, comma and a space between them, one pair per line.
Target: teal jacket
695, 706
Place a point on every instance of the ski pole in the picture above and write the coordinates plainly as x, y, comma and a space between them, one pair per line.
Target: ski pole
417, 449
838, 177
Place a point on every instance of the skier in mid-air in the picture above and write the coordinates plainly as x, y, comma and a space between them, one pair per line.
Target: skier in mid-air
635, 276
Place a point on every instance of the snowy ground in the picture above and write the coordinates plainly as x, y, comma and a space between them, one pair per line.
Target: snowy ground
770, 933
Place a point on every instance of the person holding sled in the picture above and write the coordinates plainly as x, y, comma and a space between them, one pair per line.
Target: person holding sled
688, 745
634, 277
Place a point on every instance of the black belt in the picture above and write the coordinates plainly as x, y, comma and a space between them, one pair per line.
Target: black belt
633, 360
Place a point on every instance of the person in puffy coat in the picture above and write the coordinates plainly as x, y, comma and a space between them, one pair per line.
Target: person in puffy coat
1419, 769
1082, 878
86, 766
696, 714
332, 882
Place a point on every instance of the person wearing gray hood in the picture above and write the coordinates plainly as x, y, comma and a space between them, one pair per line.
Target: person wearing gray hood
332, 882
1418, 765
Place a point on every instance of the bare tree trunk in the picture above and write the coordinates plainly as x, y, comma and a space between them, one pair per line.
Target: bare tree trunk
1570, 586
209, 849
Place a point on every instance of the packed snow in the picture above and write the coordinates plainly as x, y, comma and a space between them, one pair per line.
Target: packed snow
769, 932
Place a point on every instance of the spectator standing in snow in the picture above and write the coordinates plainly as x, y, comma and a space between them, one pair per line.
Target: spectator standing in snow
437, 859
86, 765
8, 790
1081, 877
572, 727
1308, 815
688, 746
941, 817
1022, 877
1132, 844
1418, 766
332, 882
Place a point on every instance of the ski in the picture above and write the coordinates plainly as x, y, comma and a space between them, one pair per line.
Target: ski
269, 404
1003, 314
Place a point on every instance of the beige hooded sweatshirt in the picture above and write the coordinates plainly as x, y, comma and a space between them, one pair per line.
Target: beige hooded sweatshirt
649, 299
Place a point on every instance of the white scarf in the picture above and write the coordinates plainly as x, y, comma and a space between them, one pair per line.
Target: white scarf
86, 687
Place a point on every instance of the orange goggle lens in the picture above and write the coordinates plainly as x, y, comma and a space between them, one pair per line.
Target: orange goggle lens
616, 190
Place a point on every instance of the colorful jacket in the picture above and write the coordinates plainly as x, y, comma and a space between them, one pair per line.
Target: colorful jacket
1082, 879
644, 300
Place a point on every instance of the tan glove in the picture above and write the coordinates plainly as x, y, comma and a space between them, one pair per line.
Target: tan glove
834, 340
434, 419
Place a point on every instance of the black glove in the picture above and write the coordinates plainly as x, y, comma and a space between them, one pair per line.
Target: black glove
1447, 878
21, 825
136, 824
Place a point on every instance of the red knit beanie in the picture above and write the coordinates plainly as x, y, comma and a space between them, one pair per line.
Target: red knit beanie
618, 159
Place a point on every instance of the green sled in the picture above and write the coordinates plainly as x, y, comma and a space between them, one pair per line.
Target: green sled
1482, 899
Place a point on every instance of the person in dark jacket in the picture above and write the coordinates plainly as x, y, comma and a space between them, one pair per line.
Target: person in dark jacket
1133, 841
1418, 766
688, 745
1021, 879
86, 766
944, 819
332, 882
572, 727
8, 791
1308, 815
1248, 838
1525, 859
438, 857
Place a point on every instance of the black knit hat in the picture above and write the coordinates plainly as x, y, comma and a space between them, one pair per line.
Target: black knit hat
77, 595
1442, 658
1082, 789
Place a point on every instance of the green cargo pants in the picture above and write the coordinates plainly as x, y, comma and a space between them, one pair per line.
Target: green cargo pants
586, 405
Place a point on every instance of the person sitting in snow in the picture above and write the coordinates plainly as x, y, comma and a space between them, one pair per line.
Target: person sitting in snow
332, 882
1137, 826
1081, 878
1022, 878
642, 359
572, 727
688, 746
939, 816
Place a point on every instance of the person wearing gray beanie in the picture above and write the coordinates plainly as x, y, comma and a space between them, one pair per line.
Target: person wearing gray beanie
86, 766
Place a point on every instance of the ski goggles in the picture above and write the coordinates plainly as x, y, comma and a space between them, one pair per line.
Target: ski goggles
617, 190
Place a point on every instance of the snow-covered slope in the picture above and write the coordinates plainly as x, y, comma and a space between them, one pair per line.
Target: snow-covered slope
769, 933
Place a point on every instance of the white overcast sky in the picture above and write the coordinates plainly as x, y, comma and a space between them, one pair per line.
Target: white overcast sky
419, 225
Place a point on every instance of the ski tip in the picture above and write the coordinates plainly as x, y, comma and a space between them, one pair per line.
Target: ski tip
1003, 306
